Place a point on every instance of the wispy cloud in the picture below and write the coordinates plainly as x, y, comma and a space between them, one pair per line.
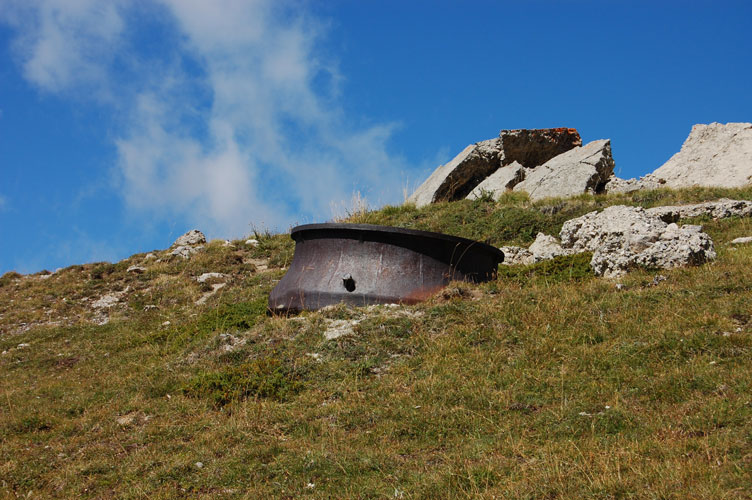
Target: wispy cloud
240, 124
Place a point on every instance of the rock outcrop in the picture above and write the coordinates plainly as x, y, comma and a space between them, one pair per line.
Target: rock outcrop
188, 244
191, 238
544, 247
547, 247
623, 237
719, 209
499, 182
455, 180
617, 185
529, 148
713, 155
517, 256
579, 170
533, 147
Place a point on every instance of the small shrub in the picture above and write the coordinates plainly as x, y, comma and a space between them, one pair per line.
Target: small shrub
261, 378
8, 278
559, 269
31, 423
238, 316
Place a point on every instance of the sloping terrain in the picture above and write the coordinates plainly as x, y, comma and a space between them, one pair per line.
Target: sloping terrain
547, 383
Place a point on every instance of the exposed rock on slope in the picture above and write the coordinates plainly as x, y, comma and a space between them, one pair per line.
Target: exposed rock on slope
622, 237
499, 182
533, 147
191, 238
458, 177
188, 244
712, 155
617, 185
529, 148
716, 209
580, 170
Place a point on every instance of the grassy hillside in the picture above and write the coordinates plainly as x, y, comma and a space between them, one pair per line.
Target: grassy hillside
547, 383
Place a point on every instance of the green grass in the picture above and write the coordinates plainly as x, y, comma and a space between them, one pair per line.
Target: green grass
546, 383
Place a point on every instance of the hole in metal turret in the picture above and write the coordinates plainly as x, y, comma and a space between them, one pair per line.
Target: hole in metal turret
348, 282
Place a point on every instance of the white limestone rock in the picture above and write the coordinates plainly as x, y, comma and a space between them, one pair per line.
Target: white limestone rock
580, 170
713, 155
192, 238
719, 209
622, 237
185, 251
516, 256
209, 276
742, 241
546, 247
617, 185
528, 147
499, 182
460, 175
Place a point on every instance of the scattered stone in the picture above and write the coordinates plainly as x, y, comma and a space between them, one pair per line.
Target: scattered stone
657, 279
259, 264
516, 256
620, 286
209, 276
192, 238
149, 256
622, 237
166, 323
580, 170
126, 419
499, 182
199, 465
252, 242
107, 301
742, 241
547, 247
227, 243
22, 346
720, 209
229, 342
136, 270
215, 288
150, 307
529, 148
336, 328
185, 251
713, 155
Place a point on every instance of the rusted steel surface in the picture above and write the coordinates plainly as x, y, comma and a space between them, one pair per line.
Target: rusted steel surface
362, 264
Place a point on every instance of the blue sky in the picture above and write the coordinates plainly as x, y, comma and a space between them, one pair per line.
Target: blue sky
125, 123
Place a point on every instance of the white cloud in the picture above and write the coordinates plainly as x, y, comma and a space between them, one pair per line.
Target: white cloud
246, 138
65, 43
